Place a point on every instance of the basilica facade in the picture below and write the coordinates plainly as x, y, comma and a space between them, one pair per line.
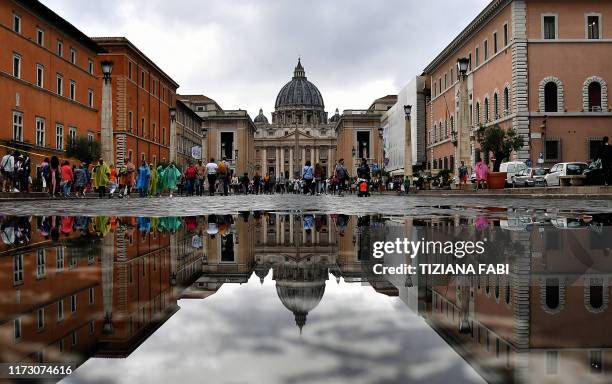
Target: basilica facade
300, 131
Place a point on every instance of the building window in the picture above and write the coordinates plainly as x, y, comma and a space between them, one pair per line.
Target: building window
154, 131
17, 328
445, 81
40, 318
552, 150
17, 269
40, 131
142, 79
594, 97
59, 142
130, 70
72, 134
130, 121
60, 310
486, 110
90, 66
72, 55
90, 98
73, 303
506, 101
16, 23
40, 37
17, 66
485, 47
40, 75
90, 139
506, 36
593, 27
17, 126
72, 90
478, 113
549, 27
60, 48
41, 268
495, 42
60, 85
59, 258
470, 59
594, 147
163, 139
91, 296
477, 56
550, 97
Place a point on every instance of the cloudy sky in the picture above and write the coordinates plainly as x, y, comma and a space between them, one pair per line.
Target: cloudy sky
241, 52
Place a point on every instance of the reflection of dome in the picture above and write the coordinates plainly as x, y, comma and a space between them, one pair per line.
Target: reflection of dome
261, 118
300, 288
299, 92
262, 270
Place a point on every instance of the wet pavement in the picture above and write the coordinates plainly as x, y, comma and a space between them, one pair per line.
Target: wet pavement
280, 295
349, 205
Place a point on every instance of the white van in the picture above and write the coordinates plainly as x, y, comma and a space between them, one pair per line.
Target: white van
512, 168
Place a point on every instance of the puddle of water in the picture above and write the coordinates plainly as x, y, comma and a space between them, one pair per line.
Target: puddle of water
294, 298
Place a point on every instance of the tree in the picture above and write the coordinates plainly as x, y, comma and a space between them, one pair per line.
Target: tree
83, 149
500, 142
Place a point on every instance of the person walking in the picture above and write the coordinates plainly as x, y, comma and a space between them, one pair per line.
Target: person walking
161, 180
463, 174
342, 175
44, 172
211, 175
172, 175
223, 175
142, 183
55, 175
308, 175
153, 182
191, 175
101, 174
201, 171
266, 181
81, 177
482, 174
113, 183
318, 176
26, 168
67, 176
7, 167
605, 156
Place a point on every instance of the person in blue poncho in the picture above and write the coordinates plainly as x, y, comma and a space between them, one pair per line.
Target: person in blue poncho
142, 183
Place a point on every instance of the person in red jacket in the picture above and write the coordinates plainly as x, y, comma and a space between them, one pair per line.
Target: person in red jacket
67, 177
191, 173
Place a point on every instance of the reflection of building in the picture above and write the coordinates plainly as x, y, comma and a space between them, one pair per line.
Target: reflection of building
546, 320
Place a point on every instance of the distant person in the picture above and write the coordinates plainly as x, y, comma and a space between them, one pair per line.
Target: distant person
482, 174
463, 174
605, 155
211, 174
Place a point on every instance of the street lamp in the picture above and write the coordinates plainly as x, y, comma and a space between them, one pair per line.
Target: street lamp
236, 154
172, 114
107, 69
408, 141
454, 137
462, 66
354, 151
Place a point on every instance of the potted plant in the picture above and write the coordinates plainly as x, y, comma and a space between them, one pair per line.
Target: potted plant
500, 142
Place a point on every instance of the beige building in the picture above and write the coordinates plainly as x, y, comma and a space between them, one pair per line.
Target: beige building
189, 139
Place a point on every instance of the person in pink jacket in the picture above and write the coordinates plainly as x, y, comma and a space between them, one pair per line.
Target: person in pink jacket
482, 173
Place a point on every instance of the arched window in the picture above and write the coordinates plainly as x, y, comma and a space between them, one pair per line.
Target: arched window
508, 292
495, 106
550, 97
486, 110
506, 101
595, 97
552, 294
596, 296
435, 164
445, 128
452, 124
478, 113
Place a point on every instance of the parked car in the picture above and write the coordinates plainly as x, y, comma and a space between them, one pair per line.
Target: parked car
512, 168
563, 169
530, 177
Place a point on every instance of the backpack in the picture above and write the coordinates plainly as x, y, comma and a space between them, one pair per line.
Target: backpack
222, 168
308, 172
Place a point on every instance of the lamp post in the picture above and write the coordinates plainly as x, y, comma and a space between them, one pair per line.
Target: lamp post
173, 134
204, 145
408, 141
107, 112
463, 118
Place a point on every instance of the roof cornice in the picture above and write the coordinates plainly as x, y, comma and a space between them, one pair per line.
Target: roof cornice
486, 15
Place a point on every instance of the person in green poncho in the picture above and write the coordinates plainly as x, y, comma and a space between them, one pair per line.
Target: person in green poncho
101, 173
172, 175
153, 181
161, 180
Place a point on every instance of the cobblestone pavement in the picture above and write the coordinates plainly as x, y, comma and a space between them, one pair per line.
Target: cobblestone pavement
422, 206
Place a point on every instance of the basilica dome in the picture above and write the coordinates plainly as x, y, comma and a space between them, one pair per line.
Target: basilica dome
299, 92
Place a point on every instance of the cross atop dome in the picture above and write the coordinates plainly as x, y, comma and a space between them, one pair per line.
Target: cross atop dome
299, 70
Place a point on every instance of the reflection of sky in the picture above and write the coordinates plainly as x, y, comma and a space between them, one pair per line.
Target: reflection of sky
243, 334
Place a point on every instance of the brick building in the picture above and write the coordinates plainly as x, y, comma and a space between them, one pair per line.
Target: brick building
143, 95
540, 67
49, 78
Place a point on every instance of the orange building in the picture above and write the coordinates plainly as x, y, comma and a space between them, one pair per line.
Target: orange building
142, 98
49, 81
540, 67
